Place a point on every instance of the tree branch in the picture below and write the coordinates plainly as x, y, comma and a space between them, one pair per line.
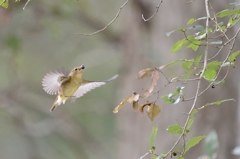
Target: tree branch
118, 13
157, 8
198, 85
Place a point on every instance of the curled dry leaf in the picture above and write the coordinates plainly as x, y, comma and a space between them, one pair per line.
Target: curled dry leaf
153, 111
133, 98
147, 72
155, 78
135, 105
162, 67
124, 101
140, 108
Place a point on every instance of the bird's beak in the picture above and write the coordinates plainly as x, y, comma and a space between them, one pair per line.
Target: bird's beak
82, 67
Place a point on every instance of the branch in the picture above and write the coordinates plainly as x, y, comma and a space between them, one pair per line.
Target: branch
157, 8
26, 4
118, 13
216, 23
230, 51
233, 38
189, 2
198, 85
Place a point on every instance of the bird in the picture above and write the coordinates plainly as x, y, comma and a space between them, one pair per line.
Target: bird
69, 86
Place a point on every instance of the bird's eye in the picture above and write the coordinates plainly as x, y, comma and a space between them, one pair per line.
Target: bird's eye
76, 69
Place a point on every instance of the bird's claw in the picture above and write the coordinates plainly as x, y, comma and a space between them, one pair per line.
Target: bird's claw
73, 98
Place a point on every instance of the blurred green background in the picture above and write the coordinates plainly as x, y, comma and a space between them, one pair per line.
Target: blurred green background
42, 38
33, 42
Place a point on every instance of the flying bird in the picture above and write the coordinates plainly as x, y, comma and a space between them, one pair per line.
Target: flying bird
69, 86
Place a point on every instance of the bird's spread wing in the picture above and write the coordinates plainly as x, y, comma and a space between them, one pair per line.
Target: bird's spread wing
89, 85
51, 82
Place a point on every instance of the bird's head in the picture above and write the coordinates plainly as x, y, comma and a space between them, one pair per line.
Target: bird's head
77, 71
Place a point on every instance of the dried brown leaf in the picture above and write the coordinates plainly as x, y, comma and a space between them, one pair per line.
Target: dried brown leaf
153, 84
133, 98
162, 67
147, 72
140, 108
153, 111
124, 101
135, 105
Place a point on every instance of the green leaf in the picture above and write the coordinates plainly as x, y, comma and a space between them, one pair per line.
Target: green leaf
177, 100
161, 155
187, 75
193, 113
235, 4
217, 82
178, 45
197, 60
172, 63
193, 141
179, 89
226, 64
191, 21
201, 36
214, 65
5, 4
210, 75
211, 70
187, 65
195, 45
221, 23
168, 100
177, 30
197, 27
210, 30
219, 102
189, 124
227, 12
180, 158
216, 42
232, 57
202, 18
153, 136
192, 43
211, 143
175, 129
232, 21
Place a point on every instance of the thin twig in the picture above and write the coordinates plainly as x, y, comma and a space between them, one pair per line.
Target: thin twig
157, 8
26, 4
215, 21
144, 155
118, 13
189, 2
234, 37
163, 74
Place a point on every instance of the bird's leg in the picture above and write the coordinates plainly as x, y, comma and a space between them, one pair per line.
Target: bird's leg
73, 98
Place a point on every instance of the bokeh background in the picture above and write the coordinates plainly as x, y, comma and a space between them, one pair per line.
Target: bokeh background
42, 38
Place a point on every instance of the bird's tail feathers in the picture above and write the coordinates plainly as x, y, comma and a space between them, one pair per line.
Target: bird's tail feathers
56, 103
